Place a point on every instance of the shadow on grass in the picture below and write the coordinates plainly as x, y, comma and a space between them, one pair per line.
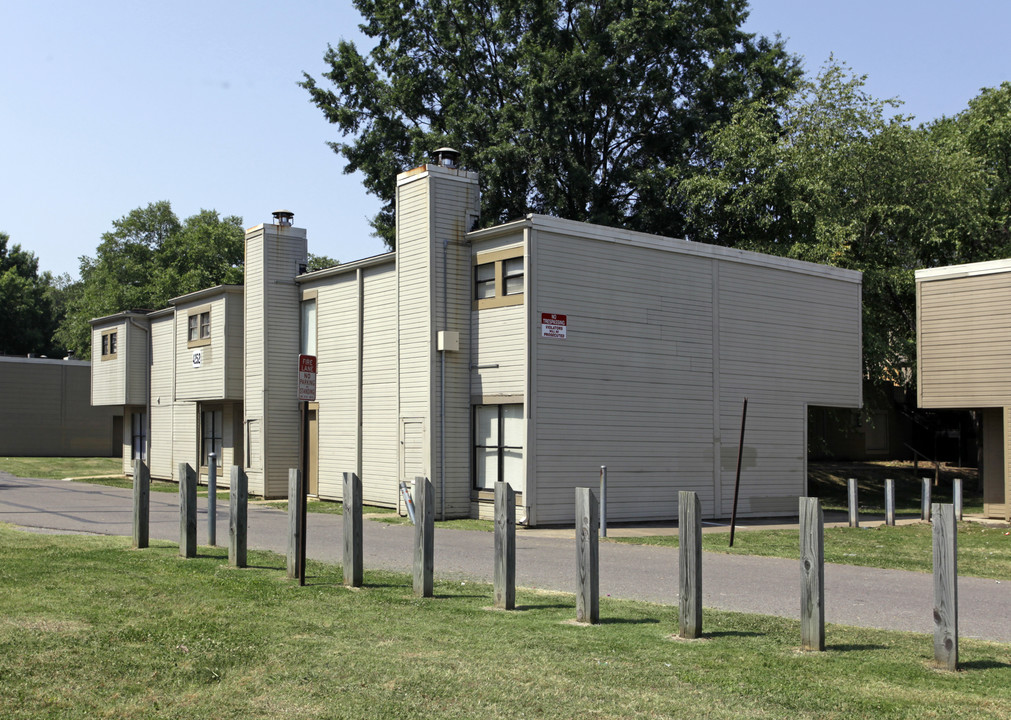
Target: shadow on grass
852, 647
628, 621
983, 665
731, 633
545, 606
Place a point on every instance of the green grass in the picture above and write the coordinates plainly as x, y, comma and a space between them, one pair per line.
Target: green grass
330, 507
91, 628
57, 468
982, 551
458, 524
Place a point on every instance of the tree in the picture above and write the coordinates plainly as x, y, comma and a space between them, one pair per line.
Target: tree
829, 179
148, 258
591, 111
26, 310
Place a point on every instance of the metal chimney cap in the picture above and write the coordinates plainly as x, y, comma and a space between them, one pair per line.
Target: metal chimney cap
447, 157
283, 217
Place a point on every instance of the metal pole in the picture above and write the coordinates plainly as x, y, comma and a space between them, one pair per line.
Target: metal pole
603, 501
212, 499
737, 482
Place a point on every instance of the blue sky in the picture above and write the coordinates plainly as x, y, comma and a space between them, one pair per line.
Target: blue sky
110, 105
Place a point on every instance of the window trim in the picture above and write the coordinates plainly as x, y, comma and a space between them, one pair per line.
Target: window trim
499, 299
201, 339
500, 447
107, 352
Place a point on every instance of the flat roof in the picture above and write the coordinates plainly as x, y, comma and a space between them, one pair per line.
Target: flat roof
989, 267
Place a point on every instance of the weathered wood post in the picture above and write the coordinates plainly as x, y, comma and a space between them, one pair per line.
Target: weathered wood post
925, 499
956, 498
812, 574
187, 511
505, 546
889, 501
851, 493
689, 564
294, 522
141, 504
945, 588
353, 548
587, 557
424, 536
238, 502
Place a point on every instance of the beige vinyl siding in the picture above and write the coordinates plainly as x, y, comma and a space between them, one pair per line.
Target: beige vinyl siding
964, 341
379, 387
185, 436
499, 338
786, 340
108, 377
45, 410
233, 346
270, 374
662, 345
414, 315
336, 382
253, 376
162, 396
136, 368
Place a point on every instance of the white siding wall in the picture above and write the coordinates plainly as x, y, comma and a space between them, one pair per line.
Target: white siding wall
108, 377
233, 346
135, 343
162, 397
964, 341
662, 347
208, 381
379, 387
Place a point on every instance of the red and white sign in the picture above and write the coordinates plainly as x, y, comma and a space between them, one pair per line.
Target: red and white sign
553, 326
307, 377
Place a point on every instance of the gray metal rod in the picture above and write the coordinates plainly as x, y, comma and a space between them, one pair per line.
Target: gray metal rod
212, 499
603, 501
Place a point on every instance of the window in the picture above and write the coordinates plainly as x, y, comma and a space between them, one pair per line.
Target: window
138, 435
211, 435
307, 341
198, 328
498, 445
498, 278
110, 344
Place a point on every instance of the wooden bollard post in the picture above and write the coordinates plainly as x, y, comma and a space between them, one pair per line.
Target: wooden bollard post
812, 575
851, 494
141, 504
238, 502
925, 499
294, 522
956, 498
187, 511
945, 588
889, 502
689, 564
587, 557
505, 546
424, 537
353, 548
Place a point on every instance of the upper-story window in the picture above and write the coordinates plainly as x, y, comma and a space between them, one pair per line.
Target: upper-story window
110, 344
307, 340
498, 278
198, 328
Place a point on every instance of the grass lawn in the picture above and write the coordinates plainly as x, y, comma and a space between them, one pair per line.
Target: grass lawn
982, 551
90, 628
57, 468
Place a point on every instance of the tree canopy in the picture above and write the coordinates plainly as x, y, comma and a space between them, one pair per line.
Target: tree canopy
828, 177
26, 302
591, 111
148, 258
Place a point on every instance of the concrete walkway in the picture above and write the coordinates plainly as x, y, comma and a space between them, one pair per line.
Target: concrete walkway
859, 596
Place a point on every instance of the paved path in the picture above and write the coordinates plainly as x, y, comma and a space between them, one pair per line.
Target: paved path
866, 597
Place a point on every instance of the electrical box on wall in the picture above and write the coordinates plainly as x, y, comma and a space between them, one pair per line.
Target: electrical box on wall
449, 341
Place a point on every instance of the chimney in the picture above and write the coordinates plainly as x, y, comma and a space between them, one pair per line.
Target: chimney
283, 217
447, 157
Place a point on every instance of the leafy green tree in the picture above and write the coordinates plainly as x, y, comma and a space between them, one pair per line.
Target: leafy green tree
26, 310
829, 178
148, 258
320, 262
588, 110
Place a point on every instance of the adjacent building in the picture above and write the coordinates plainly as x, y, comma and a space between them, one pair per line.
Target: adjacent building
963, 329
533, 352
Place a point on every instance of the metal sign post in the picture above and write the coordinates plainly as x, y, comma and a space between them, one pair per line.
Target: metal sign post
212, 499
306, 395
